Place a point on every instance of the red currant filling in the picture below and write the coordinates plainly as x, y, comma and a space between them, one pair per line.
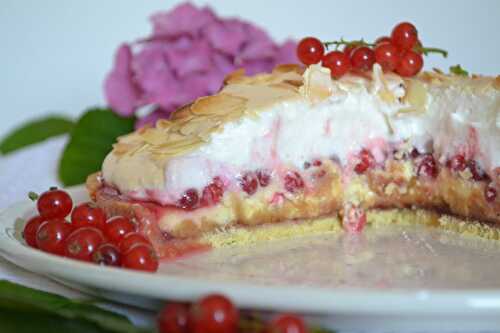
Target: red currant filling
293, 182
212, 193
249, 183
189, 199
366, 161
264, 178
457, 163
427, 166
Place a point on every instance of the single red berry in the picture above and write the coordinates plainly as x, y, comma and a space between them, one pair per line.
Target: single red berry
457, 163
30, 229
141, 257
189, 199
51, 236
263, 177
117, 227
362, 58
88, 215
82, 243
382, 40
387, 56
348, 48
427, 166
130, 240
212, 193
173, 318
54, 203
337, 62
410, 64
287, 323
293, 182
404, 35
366, 161
249, 183
213, 314
477, 172
310, 50
490, 193
107, 254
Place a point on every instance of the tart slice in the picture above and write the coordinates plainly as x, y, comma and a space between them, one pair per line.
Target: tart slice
296, 145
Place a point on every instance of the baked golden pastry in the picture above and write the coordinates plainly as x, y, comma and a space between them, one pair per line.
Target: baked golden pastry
295, 145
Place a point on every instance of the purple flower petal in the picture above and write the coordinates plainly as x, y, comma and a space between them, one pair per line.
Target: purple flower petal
120, 90
226, 36
287, 53
194, 59
184, 19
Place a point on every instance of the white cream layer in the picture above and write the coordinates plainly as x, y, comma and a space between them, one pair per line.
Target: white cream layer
353, 117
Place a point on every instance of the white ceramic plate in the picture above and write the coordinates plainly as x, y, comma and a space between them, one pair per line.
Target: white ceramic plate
405, 278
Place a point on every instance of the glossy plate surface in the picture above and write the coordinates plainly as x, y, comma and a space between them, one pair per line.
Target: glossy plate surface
398, 277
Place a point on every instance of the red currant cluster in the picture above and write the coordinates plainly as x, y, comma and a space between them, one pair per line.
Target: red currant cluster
89, 235
217, 314
401, 53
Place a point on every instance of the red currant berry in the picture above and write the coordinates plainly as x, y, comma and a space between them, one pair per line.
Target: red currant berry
287, 323
411, 63
382, 40
404, 35
82, 243
30, 229
293, 182
310, 50
130, 240
349, 48
387, 56
490, 193
117, 227
263, 177
88, 215
337, 62
141, 257
249, 183
213, 314
366, 161
54, 204
362, 58
427, 166
107, 254
189, 199
457, 163
173, 318
51, 236
212, 193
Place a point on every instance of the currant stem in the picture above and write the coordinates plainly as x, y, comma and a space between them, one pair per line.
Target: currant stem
342, 41
427, 50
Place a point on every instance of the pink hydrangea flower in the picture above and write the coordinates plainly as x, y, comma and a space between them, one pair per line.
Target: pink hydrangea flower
187, 56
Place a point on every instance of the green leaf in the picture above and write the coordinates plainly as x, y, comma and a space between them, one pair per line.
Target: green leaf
35, 131
458, 70
91, 140
50, 309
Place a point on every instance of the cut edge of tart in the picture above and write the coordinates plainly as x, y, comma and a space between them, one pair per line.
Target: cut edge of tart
276, 154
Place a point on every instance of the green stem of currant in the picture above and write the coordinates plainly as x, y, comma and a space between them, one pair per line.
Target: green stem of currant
361, 42
427, 50
342, 41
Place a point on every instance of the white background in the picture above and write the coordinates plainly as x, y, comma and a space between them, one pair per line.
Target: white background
55, 54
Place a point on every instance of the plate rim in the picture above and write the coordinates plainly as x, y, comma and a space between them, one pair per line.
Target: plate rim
317, 300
